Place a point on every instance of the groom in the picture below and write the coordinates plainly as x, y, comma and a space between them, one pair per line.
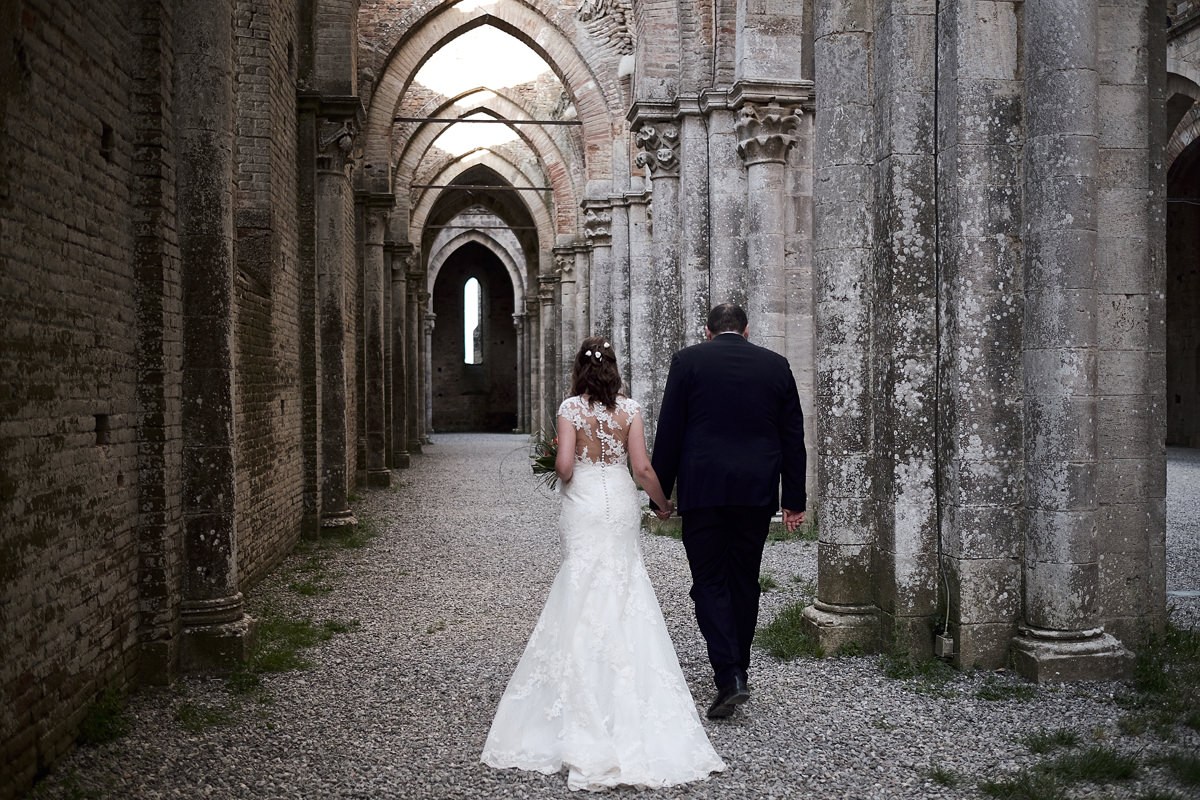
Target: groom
729, 428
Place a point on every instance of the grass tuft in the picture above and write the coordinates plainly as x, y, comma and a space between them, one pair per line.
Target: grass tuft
992, 689
1098, 764
280, 646
196, 718
1046, 741
943, 775
1025, 785
784, 637
922, 674
766, 582
105, 720
849, 650
1185, 767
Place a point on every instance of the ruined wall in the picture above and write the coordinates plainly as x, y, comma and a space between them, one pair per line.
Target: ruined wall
267, 330
69, 479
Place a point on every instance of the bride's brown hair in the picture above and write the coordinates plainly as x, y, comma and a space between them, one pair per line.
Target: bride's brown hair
595, 373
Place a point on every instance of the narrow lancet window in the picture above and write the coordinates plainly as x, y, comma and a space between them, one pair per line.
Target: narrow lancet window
472, 327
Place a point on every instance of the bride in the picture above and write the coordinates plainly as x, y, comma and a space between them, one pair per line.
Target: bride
599, 690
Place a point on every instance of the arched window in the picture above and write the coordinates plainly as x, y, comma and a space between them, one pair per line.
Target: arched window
472, 323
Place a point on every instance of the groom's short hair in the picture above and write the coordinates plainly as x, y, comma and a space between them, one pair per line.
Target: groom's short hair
727, 317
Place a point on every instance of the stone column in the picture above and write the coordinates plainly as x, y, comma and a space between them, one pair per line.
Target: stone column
765, 133
654, 322
548, 399
308, 310
430, 319
412, 354
522, 374
982, 290
618, 278
568, 338
843, 235
597, 227
401, 263
693, 226
216, 632
375, 207
339, 120
1130, 276
727, 274
534, 357
1062, 638
583, 310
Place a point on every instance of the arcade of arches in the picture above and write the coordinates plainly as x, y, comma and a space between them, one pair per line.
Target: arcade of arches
258, 252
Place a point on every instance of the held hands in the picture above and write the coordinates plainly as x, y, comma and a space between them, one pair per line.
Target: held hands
792, 519
664, 512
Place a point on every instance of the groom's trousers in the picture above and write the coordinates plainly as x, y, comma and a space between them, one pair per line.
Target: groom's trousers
724, 548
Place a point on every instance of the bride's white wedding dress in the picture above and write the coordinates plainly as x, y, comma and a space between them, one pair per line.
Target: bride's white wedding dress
599, 690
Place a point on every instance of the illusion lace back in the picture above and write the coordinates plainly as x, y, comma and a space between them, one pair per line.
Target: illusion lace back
598, 689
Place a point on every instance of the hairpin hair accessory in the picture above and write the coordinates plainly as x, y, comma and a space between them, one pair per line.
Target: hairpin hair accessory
587, 352
607, 345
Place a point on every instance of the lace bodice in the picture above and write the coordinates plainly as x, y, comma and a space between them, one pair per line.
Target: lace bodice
601, 435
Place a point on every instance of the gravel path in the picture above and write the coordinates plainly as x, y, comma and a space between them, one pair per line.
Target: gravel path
446, 597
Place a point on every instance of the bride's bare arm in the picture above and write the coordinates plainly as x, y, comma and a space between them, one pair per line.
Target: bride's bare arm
640, 461
564, 463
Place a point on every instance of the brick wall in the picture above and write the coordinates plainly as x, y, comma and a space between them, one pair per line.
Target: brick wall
68, 429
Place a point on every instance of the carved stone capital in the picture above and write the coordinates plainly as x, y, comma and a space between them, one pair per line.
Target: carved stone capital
766, 132
597, 226
660, 149
564, 263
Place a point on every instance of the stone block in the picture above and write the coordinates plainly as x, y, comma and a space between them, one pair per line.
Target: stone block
984, 590
992, 483
1060, 537
847, 521
1061, 261
833, 629
983, 645
1054, 486
1124, 428
1124, 322
1060, 597
1060, 319
217, 649
907, 583
1129, 527
842, 64
1125, 120
1059, 372
1131, 480
1058, 429
1123, 265
982, 532
1124, 588
911, 635
1125, 375
830, 19
843, 570
847, 475
1123, 212
1044, 661
842, 426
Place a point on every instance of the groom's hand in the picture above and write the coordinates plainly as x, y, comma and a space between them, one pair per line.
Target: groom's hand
792, 519
665, 513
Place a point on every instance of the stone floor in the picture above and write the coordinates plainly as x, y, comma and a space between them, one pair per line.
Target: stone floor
445, 598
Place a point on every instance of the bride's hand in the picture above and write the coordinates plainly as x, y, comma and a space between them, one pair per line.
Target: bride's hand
664, 512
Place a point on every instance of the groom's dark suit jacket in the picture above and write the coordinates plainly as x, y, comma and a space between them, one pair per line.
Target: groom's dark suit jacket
730, 425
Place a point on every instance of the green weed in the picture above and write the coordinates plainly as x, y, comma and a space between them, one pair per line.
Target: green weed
784, 637
943, 775
105, 720
1046, 741
1098, 764
195, 718
1025, 785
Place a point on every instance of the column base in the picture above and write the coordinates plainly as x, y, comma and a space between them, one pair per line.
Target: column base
1046, 656
414, 446
217, 649
833, 626
338, 519
401, 460
379, 478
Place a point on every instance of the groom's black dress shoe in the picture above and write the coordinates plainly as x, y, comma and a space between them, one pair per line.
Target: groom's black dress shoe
728, 699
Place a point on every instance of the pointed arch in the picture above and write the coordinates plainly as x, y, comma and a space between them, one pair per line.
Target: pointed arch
589, 92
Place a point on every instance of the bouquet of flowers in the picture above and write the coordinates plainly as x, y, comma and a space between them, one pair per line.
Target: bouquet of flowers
543, 454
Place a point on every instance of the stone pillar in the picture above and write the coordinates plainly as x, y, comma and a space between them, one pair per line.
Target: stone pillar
375, 207
583, 310
597, 227
1130, 280
693, 226
522, 374
338, 124
618, 279
412, 355
430, 319
534, 358
568, 337
765, 133
843, 240
982, 291
401, 263
308, 310
727, 275
548, 399
216, 632
1062, 638
654, 322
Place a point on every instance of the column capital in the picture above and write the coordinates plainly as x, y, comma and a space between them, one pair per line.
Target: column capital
766, 132
339, 119
597, 222
564, 262
660, 149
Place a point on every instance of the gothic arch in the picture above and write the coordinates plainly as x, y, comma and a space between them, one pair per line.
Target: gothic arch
509, 254
527, 25
550, 158
428, 197
1183, 118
